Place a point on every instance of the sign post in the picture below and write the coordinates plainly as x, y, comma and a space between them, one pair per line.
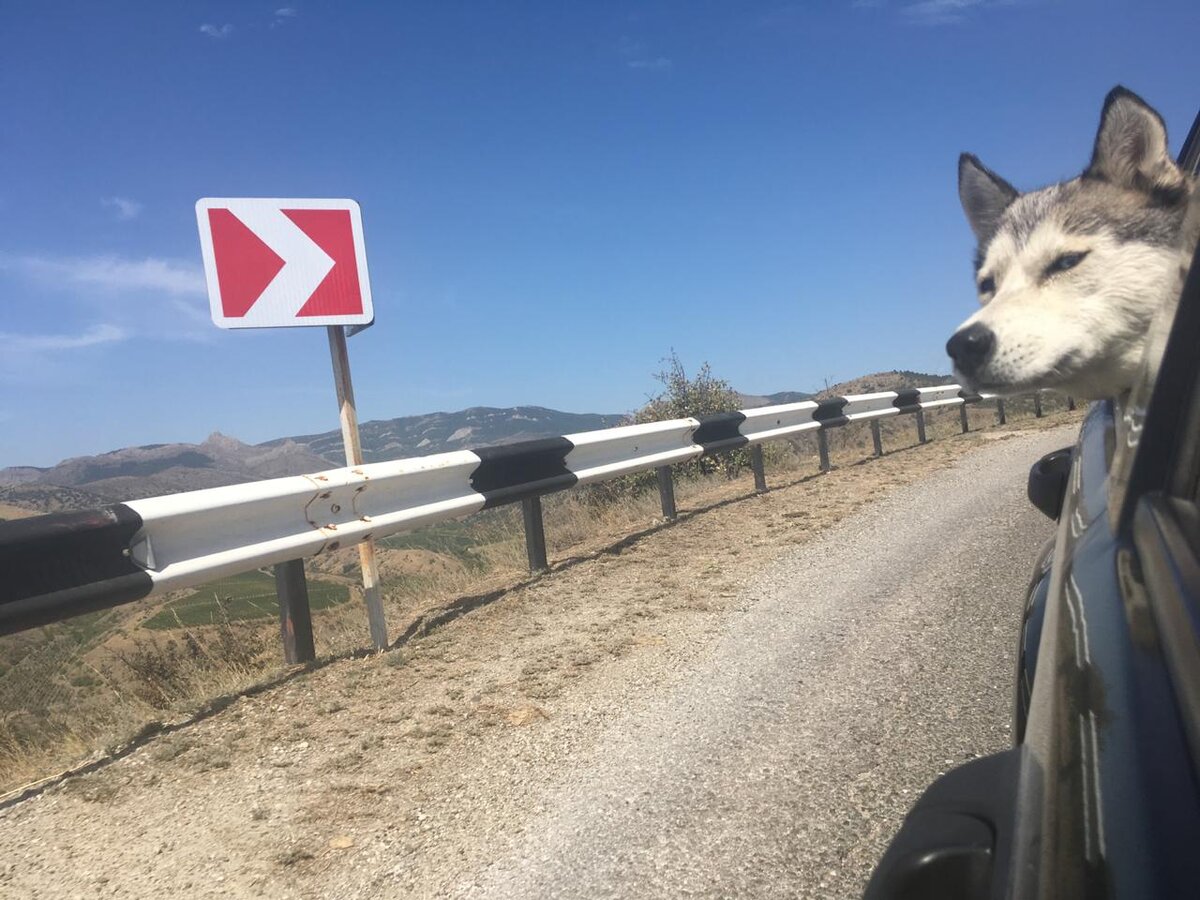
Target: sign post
354, 457
273, 263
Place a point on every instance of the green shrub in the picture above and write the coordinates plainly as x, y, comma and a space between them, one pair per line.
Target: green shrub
702, 394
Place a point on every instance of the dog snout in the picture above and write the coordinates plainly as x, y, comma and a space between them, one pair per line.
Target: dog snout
971, 347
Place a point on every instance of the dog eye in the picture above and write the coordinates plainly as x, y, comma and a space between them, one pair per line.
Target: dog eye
987, 285
1064, 263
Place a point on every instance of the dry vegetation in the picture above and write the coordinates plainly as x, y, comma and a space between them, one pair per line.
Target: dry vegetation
73, 689
8, 511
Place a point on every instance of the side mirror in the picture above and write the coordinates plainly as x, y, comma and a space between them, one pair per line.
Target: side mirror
1048, 481
956, 840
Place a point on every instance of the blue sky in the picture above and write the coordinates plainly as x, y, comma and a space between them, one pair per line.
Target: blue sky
554, 195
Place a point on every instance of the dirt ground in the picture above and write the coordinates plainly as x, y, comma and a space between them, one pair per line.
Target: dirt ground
380, 775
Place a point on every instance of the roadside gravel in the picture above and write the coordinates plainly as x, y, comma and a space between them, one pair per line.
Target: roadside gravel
742, 704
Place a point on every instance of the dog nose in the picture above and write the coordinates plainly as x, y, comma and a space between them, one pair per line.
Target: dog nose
970, 347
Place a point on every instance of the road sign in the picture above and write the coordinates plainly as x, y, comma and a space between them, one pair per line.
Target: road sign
275, 263
283, 263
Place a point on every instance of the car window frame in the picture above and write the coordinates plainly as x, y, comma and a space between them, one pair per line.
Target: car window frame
1155, 479
1154, 442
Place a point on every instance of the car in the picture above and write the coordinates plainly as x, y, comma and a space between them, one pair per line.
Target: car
1100, 796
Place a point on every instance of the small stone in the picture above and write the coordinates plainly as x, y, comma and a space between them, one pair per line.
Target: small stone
525, 715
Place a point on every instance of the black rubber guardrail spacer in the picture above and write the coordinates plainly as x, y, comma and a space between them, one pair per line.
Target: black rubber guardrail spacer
830, 413
720, 431
66, 564
907, 400
512, 472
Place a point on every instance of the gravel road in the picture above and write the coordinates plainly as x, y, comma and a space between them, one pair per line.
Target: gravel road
744, 704
863, 664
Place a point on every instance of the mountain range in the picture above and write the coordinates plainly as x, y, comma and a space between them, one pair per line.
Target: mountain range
135, 472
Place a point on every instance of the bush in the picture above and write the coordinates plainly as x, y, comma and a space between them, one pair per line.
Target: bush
701, 395
166, 672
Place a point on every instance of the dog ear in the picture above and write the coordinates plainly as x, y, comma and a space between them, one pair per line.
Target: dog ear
984, 196
1131, 146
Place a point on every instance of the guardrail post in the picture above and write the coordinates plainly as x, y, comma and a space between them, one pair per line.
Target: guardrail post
1070, 404
535, 534
756, 464
1000, 419
962, 418
921, 439
666, 492
823, 451
876, 437
1037, 405
295, 619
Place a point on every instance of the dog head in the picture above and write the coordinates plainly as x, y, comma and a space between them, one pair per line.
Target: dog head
1070, 276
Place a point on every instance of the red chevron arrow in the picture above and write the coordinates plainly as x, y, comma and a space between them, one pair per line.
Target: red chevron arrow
245, 265
330, 229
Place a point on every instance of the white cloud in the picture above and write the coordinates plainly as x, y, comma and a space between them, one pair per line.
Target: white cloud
944, 12
156, 298
113, 273
660, 63
636, 56
628, 47
286, 12
937, 12
125, 208
41, 343
37, 359
215, 32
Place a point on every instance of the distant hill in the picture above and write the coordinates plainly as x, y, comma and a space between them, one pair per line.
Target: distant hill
865, 384
752, 401
136, 472
438, 432
155, 469
44, 498
885, 381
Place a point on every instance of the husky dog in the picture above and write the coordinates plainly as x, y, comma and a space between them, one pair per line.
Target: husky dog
1070, 276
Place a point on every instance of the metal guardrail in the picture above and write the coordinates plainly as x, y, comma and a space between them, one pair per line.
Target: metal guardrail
65, 564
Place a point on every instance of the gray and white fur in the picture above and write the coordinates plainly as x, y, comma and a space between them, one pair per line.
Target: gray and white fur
1071, 275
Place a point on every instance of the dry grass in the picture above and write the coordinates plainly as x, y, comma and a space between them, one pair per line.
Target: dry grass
8, 511
72, 689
